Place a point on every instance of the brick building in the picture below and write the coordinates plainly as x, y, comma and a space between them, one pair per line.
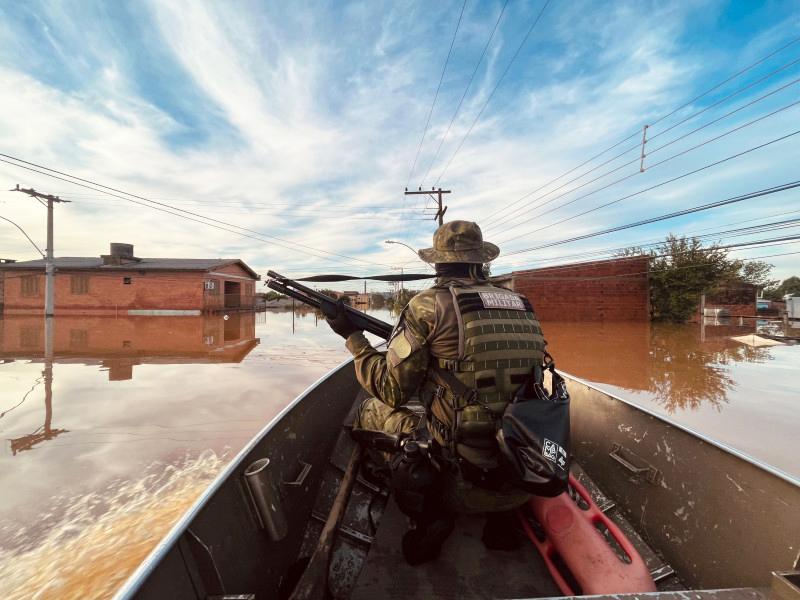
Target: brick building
120, 283
605, 290
737, 298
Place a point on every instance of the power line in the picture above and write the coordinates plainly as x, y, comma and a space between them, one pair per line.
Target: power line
649, 168
497, 85
436, 95
662, 118
511, 215
181, 210
464, 95
658, 185
612, 252
672, 215
623, 275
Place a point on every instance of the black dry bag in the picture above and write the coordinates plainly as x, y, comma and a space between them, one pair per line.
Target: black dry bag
534, 435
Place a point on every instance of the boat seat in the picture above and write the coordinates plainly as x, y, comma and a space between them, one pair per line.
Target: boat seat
464, 570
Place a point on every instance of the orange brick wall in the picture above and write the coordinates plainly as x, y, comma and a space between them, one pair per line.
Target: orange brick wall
608, 290
108, 294
203, 337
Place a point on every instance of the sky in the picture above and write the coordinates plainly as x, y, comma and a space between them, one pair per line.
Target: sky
297, 126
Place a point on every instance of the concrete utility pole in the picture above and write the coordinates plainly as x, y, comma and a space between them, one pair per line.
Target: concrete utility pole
49, 268
438, 191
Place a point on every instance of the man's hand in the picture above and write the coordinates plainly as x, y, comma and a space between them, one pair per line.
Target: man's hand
341, 322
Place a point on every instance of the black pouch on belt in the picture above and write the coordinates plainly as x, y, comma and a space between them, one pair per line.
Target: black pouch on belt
534, 435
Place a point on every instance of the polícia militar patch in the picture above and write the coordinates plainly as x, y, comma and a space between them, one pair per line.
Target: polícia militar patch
501, 300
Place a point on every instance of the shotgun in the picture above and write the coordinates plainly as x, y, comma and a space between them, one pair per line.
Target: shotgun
328, 306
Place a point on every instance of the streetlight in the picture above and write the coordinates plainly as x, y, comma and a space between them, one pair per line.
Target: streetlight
402, 244
401, 268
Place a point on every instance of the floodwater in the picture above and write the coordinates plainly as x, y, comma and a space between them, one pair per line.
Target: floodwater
105, 445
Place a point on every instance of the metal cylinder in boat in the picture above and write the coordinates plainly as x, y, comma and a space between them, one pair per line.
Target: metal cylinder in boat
266, 499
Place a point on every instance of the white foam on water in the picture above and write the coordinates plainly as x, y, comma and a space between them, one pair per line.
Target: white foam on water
101, 537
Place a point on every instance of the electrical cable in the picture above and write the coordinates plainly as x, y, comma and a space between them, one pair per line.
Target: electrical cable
436, 95
181, 210
662, 118
497, 85
638, 171
665, 182
505, 219
464, 95
702, 207
622, 275
737, 232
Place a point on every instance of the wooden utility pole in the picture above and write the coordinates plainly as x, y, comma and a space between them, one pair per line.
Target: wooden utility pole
49, 268
438, 199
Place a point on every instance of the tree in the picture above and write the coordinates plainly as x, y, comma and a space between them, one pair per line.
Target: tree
791, 285
335, 294
681, 269
398, 302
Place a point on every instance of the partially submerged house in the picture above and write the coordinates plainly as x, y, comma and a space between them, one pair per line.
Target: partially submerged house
120, 283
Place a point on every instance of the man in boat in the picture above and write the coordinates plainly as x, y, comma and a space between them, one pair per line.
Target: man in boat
461, 348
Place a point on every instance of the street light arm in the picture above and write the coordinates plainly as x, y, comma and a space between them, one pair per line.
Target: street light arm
39, 250
403, 244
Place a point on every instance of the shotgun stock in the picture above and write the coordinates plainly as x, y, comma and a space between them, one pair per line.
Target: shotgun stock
289, 287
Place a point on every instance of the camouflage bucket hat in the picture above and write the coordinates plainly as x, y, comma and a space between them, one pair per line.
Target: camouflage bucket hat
459, 242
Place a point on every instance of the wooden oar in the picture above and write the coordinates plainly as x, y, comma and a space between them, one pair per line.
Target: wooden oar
313, 584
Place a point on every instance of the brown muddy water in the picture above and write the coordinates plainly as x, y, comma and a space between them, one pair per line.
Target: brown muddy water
104, 451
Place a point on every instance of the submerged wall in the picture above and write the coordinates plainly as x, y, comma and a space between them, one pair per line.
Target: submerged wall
605, 290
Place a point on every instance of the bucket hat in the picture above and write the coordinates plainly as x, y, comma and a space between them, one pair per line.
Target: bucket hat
459, 242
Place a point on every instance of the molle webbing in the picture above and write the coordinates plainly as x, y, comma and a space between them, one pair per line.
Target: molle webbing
500, 344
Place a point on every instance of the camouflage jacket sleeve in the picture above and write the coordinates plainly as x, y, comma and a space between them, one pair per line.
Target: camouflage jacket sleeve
394, 376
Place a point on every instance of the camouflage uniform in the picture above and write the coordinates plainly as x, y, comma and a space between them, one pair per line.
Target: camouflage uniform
427, 331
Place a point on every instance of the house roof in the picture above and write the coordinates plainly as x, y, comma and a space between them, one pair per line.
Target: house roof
142, 264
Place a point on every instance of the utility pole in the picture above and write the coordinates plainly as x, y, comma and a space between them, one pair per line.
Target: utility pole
49, 268
438, 199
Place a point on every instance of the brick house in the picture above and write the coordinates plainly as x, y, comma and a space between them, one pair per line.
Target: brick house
605, 290
120, 283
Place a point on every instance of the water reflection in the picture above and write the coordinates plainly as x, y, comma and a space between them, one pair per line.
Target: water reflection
681, 366
122, 422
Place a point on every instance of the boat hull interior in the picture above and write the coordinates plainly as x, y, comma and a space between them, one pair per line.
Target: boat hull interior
701, 516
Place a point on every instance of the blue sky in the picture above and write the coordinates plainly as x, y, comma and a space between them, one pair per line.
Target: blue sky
302, 120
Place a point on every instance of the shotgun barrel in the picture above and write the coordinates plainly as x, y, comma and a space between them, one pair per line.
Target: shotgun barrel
289, 287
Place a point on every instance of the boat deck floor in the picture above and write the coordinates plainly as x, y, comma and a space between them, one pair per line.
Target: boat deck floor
464, 570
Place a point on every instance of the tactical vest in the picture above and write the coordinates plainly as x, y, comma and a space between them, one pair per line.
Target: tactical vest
499, 343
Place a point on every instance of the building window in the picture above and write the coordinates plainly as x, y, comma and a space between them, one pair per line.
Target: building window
78, 338
126, 280
79, 284
211, 286
30, 337
30, 285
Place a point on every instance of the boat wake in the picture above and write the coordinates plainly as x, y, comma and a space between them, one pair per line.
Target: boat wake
100, 538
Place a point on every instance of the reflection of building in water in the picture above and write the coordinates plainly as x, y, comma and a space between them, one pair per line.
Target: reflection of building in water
118, 344
121, 343
678, 365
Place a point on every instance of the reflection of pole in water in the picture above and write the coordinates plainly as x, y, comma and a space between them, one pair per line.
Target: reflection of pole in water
292, 315
26, 442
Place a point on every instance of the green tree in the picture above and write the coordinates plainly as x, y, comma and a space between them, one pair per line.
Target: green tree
681, 269
334, 294
398, 302
791, 285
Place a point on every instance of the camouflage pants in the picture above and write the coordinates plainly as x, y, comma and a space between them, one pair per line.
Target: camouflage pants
460, 495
